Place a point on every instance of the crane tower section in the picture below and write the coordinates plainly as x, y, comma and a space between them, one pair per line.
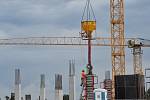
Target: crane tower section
137, 59
137, 55
117, 39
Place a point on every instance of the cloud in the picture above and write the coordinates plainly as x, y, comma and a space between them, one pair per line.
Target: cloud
25, 18
19, 17
136, 19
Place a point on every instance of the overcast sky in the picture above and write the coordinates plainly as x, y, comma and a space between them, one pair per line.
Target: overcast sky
25, 18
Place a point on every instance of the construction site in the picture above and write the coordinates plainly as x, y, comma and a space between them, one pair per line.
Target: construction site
92, 63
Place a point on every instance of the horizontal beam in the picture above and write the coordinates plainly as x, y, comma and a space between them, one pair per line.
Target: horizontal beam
76, 41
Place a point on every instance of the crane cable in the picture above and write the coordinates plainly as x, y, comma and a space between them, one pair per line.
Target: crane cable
88, 9
88, 13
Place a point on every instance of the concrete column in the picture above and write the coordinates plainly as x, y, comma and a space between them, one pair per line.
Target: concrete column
72, 80
58, 94
17, 84
42, 87
58, 87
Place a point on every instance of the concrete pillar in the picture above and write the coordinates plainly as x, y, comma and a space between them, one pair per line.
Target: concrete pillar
42, 87
72, 80
58, 87
17, 84
58, 94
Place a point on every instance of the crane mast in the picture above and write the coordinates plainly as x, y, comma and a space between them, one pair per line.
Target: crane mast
137, 60
137, 55
117, 38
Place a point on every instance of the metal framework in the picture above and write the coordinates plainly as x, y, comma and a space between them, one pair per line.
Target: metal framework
117, 38
136, 45
147, 78
137, 60
76, 41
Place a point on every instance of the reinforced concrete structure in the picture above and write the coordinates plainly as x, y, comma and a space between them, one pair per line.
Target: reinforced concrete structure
72, 80
108, 84
58, 87
42, 87
17, 84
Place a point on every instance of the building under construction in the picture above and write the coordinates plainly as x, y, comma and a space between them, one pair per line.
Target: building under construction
129, 86
108, 84
121, 86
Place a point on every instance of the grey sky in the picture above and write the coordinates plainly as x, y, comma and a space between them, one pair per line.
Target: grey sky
21, 18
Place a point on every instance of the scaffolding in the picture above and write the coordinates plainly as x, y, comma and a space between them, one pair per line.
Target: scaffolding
147, 78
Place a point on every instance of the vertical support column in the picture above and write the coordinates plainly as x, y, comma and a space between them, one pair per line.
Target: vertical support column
72, 91
108, 85
42, 87
17, 84
117, 40
137, 60
58, 87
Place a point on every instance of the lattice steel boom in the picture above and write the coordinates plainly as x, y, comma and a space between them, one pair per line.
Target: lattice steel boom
76, 41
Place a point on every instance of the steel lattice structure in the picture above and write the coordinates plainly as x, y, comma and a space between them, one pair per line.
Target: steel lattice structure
75, 41
117, 38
